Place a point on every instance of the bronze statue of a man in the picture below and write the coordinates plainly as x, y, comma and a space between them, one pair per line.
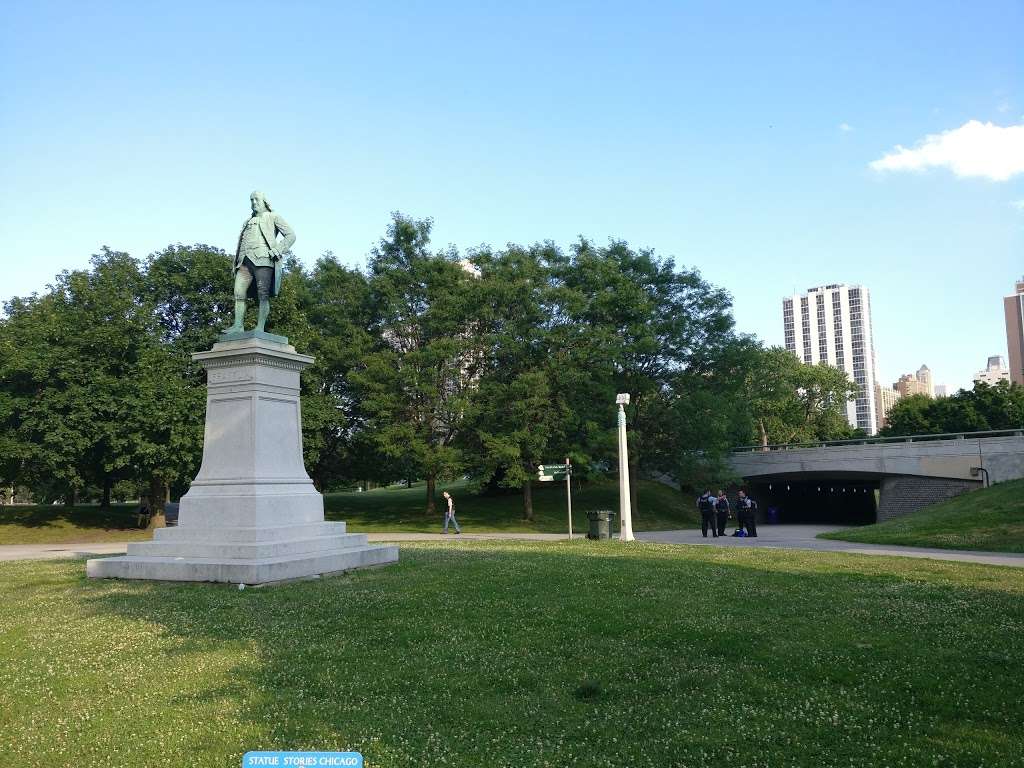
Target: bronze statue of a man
257, 266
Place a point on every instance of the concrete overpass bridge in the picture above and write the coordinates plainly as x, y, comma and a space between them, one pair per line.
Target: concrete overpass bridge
861, 481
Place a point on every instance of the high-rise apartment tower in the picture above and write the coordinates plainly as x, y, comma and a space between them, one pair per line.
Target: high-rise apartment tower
1013, 307
832, 324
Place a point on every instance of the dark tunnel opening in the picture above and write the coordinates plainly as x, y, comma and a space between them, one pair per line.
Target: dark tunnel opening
818, 500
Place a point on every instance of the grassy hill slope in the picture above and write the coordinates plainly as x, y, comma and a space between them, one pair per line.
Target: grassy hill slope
57, 524
989, 519
380, 510
402, 509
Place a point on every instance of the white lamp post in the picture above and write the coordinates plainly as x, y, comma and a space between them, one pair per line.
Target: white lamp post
625, 513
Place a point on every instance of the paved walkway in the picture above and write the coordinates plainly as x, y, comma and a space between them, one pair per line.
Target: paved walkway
803, 537
769, 537
56, 551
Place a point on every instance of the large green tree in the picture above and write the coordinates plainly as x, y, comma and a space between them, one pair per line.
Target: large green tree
636, 323
985, 407
517, 416
793, 402
93, 396
417, 384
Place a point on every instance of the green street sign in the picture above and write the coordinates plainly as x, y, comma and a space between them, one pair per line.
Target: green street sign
549, 472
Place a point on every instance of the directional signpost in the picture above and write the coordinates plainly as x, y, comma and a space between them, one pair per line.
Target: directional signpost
548, 473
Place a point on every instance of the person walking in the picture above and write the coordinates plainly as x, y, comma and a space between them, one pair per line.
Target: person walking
449, 513
706, 505
746, 513
722, 511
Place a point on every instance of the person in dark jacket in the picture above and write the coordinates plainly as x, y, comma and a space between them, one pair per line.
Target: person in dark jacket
746, 513
722, 511
706, 506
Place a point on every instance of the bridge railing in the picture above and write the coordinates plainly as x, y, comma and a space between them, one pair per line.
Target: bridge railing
880, 440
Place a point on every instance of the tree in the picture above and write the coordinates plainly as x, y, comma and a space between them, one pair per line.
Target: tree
793, 402
710, 414
417, 383
190, 288
516, 417
983, 408
635, 323
337, 312
90, 394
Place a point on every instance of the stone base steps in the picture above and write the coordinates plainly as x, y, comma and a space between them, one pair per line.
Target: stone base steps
242, 535
259, 570
230, 550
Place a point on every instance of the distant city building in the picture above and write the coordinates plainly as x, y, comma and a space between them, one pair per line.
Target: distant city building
885, 399
835, 328
994, 371
924, 375
919, 383
1013, 308
941, 390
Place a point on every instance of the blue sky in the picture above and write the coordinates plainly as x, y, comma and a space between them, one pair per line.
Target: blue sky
738, 138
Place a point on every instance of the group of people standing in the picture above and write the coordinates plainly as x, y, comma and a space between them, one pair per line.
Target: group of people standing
715, 512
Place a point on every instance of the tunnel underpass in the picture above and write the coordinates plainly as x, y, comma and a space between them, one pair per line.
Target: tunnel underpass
826, 500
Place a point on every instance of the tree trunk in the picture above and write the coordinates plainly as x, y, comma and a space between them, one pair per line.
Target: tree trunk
107, 485
431, 485
528, 500
156, 495
69, 497
408, 482
764, 434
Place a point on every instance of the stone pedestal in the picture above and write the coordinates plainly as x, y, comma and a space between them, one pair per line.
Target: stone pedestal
252, 514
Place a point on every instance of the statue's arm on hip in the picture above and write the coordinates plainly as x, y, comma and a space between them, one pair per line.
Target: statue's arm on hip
278, 247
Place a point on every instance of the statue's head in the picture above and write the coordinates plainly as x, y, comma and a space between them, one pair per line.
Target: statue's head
259, 202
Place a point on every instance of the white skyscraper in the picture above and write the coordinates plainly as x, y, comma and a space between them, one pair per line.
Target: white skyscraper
832, 324
994, 372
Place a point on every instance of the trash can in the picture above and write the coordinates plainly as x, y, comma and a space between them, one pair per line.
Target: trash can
171, 514
600, 523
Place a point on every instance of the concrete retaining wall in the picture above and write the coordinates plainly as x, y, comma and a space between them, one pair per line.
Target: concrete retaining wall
903, 495
1002, 456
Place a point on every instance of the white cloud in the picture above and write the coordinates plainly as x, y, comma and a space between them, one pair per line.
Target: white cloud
845, 127
974, 149
1018, 204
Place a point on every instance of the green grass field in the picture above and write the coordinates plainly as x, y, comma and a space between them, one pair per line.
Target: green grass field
402, 509
990, 519
59, 525
527, 655
383, 510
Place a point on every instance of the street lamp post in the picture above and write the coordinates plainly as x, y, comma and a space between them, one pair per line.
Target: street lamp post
625, 513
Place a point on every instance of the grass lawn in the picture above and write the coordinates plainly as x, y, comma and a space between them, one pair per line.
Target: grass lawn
402, 509
60, 525
990, 519
380, 510
527, 655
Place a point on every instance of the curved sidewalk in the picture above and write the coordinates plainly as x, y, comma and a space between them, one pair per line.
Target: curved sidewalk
803, 537
769, 537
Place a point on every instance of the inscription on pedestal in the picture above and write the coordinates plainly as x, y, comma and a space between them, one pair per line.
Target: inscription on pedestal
229, 376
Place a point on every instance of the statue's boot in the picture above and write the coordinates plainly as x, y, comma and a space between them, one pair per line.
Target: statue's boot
239, 325
264, 313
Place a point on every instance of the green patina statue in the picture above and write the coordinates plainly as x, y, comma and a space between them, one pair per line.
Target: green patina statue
257, 266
